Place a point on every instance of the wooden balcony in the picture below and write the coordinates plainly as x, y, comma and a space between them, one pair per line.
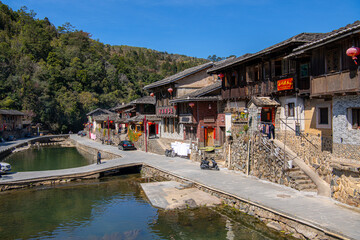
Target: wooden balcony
238, 93
339, 83
225, 94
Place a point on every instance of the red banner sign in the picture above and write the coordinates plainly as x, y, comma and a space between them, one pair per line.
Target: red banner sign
285, 84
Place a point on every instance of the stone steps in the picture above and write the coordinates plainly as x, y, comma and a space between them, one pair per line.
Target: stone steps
301, 181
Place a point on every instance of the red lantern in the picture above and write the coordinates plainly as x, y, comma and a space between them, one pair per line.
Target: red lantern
150, 123
170, 90
353, 52
221, 76
175, 107
191, 104
111, 121
152, 94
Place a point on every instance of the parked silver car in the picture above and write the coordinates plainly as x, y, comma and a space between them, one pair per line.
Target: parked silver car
5, 167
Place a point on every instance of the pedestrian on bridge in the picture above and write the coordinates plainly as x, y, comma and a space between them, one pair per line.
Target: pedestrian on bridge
98, 158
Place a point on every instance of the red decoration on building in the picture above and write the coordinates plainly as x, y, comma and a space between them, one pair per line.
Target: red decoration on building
221, 76
170, 90
171, 110
191, 104
152, 94
149, 123
353, 52
175, 107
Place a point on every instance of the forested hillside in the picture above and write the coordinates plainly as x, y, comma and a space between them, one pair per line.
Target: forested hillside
58, 74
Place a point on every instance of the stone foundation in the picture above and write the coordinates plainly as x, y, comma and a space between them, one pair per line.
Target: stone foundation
271, 218
345, 183
309, 151
249, 155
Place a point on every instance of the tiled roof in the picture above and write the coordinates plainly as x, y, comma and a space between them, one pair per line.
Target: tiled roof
11, 112
179, 75
263, 101
300, 38
199, 94
343, 31
104, 117
100, 110
143, 100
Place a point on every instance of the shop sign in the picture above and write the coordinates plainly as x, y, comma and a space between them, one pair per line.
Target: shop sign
239, 117
166, 111
285, 84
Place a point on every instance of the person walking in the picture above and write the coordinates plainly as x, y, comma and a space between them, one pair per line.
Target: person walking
98, 158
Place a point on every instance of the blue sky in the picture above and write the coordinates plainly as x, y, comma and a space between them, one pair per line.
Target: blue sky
196, 28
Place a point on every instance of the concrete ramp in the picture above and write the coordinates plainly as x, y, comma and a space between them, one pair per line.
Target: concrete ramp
174, 195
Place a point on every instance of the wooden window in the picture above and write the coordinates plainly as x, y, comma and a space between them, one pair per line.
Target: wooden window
292, 66
233, 81
267, 70
249, 74
291, 110
304, 70
227, 81
284, 66
278, 69
332, 60
355, 118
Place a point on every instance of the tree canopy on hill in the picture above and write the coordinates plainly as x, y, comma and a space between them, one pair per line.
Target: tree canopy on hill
58, 74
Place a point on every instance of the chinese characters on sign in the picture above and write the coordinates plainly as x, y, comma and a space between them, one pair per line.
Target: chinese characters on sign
285, 84
166, 111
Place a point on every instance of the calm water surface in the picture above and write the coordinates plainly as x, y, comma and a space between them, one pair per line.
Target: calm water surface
114, 208
48, 158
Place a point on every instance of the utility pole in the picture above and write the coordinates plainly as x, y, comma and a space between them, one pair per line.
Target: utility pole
145, 130
108, 122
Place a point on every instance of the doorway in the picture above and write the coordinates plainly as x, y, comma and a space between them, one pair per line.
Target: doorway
209, 137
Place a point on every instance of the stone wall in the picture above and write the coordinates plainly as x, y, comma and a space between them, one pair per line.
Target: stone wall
272, 219
345, 183
93, 151
310, 151
346, 140
343, 177
259, 157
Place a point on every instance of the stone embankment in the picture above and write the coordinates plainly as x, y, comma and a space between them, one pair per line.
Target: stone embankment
305, 216
342, 174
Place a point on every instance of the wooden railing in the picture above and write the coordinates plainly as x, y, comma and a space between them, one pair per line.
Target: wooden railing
335, 83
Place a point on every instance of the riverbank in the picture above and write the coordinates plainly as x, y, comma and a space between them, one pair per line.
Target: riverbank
303, 214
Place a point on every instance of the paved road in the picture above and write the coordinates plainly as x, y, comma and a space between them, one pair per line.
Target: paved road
318, 211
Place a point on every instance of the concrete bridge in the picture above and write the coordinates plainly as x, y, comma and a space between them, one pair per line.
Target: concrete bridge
310, 215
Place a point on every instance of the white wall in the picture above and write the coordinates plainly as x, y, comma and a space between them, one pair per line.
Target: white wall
299, 113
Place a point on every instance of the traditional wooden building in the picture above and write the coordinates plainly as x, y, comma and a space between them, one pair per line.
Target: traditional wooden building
267, 74
133, 114
97, 117
173, 87
332, 111
11, 120
202, 117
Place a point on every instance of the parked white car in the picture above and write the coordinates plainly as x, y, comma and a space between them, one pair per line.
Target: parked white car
5, 167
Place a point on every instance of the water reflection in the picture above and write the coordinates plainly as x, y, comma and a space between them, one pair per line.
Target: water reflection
48, 158
112, 208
